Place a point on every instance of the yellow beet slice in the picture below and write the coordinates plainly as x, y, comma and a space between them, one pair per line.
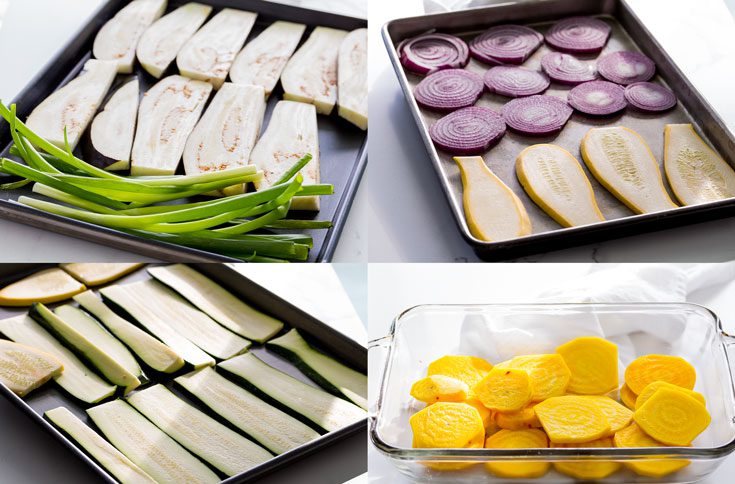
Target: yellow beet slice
518, 439
504, 389
618, 415
628, 397
524, 418
572, 419
650, 368
47, 286
469, 369
588, 470
440, 388
549, 374
620, 159
633, 436
485, 413
672, 417
696, 173
554, 179
492, 210
593, 362
652, 387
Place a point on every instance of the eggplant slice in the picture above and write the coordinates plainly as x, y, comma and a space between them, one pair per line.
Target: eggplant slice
111, 134
352, 76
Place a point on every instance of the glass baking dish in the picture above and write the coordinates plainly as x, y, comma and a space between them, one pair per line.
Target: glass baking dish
497, 332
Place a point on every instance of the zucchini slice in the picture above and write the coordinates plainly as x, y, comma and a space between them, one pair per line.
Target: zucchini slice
151, 351
47, 286
327, 372
270, 427
311, 74
146, 445
101, 450
111, 134
162, 41
317, 406
218, 302
23, 368
85, 348
77, 379
224, 449
98, 273
262, 60
208, 54
352, 78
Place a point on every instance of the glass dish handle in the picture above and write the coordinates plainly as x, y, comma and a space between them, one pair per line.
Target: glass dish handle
377, 354
729, 342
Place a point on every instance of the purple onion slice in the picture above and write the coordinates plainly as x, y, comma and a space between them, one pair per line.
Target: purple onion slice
468, 131
511, 44
626, 67
597, 98
450, 89
567, 69
536, 115
432, 52
514, 81
651, 97
579, 35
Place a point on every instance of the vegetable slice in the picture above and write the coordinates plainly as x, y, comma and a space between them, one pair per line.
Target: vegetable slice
468, 131
597, 98
672, 417
572, 419
633, 436
439, 388
587, 470
24, 368
449, 89
536, 115
650, 97
111, 134
650, 368
652, 387
618, 415
627, 396
352, 77
429, 53
549, 374
626, 67
47, 286
469, 369
567, 69
513, 81
593, 362
518, 439
580, 35
98, 273
504, 389
511, 44
524, 418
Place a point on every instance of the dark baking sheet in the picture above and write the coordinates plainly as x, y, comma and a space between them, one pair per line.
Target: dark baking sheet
326, 338
628, 34
343, 146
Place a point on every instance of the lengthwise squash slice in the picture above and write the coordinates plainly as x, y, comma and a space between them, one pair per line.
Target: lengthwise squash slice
650, 368
47, 286
24, 368
572, 419
587, 470
593, 362
672, 417
518, 439
98, 273
633, 436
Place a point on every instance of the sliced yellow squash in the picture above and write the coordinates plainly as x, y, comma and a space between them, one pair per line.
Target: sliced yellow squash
47, 286
650, 368
98, 273
672, 417
633, 436
587, 470
518, 439
23, 368
593, 362
504, 389
652, 387
572, 419
440, 388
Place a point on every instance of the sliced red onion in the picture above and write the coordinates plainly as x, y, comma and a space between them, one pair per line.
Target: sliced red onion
537, 115
626, 67
511, 44
448, 90
648, 96
579, 35
567, 69
432, 52
468, 131
598, 98
513, 81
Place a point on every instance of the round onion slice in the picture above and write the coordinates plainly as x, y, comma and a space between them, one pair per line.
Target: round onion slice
468, 131
432, 52
648, 96
626, 67
537, 115
567, 69
513, 81
579, 35
448, 90
511, 44
597, 98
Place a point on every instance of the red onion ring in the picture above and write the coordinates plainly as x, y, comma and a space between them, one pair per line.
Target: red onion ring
513, 81
536, 115
567, 69
597, 98
626, 67
432, 52
468, 131
450, 89
579, 35
511, 44
650, 97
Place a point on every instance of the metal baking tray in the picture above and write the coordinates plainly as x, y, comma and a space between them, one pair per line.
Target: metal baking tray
343, 146
324, 337
628, 33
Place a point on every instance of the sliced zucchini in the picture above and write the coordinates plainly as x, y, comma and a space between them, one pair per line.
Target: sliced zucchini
291, 133
98, 273
167, 114
353, 78
162, 41
208, 54
23, 368
263, 58
311, 74
316, 406
270, 427
47, 286
218, 302
122, 468
147, 446
77, 379
224, 449
327, 372
111, 134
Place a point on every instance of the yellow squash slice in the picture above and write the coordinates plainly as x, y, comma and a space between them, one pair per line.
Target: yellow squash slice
440, 388
504, 389
524, 418
672, 417
98, 273
618, 415
469, 369
549, 374
633, 436
622, 162
593, 362
652, 387
492, 210
554, 179
518, 439
572, 419
650, 368
628, 397
47, 286
23, 368
588, 470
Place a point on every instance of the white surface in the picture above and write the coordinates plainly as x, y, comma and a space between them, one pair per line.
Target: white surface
409, 216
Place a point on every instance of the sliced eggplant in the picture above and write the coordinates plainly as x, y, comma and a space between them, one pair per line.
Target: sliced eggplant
291, 133
352, 77
167, 114
209, 53
162, 41
47, 286
117, 39
311, 74
23, 368
263, 58
73, 106
98, 273
111, 133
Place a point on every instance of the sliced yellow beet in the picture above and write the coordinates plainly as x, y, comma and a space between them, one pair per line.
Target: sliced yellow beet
618, 415
633, 436
622, 162
486, 414
517, 439
672, 417
97, 273
492, 210
524, 418
469, 369
588, 470
628, 397
23, 368
572, 419
549, 374
504, 389
696, 173
593, 362
652, 387
554, 179
47, 286
440, 388
650, 368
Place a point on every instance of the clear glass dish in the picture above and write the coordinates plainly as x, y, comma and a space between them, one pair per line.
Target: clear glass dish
424, 333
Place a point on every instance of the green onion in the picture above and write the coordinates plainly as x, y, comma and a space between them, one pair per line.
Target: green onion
300, 224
